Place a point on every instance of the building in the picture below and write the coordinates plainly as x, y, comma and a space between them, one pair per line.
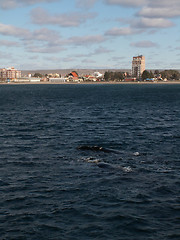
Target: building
130, 79
9, 73
53, 75
98, 75
73, 76
3, 73
138, 66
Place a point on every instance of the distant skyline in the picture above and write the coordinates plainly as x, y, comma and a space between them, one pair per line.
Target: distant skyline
95, 34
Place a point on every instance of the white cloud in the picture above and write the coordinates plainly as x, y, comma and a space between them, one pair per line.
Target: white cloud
39, 41
128, 3
101, 50
87, 60
97, 51
117, 59
154, 14
7, 43
53, 59
160, 12
45, 40
85, 3
5, 55
151, 23
68, 59
73, 19
41, 35
8, 4
146, 3
44, 49
86, 40
151, 8
144, 44
164, 3
44, 34
9, 30
34, 57
124, 31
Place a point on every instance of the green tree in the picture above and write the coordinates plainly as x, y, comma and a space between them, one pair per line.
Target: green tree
118, 76
156, 72
113, 76
145, 75
38, 75
151, 75
175, 75
107, 76
171, 74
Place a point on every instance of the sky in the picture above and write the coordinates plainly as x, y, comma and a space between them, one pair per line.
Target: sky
82, 34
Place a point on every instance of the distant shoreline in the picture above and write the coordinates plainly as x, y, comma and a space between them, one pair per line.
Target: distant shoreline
85, 83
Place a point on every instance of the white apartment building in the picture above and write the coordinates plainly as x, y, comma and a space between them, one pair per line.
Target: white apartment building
138, 66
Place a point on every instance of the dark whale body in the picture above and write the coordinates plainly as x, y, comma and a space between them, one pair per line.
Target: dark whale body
97, 149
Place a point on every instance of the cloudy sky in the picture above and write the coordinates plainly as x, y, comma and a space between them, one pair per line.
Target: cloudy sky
58, 34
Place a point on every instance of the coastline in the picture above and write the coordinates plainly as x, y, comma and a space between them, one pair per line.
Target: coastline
85, 83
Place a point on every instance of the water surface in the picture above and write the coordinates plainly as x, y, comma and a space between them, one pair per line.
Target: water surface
49, 189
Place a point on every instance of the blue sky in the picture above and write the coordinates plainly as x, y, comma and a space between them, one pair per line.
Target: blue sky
59, 34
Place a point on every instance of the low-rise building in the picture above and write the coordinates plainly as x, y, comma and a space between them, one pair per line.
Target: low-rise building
53, 75
130, 79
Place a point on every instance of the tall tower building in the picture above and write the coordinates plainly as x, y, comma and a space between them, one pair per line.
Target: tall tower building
138, 66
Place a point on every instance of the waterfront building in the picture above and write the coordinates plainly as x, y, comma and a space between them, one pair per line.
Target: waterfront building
73, 76
3, 73
138, 66
98, 75
130, 79
53, 75
10, 73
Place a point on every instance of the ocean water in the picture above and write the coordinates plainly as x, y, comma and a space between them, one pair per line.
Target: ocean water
56, 185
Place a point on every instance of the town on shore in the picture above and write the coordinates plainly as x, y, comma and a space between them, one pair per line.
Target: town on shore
138, 73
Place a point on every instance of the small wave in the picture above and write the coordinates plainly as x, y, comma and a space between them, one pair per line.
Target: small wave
105, 165
91, 160
136, 154
127, 169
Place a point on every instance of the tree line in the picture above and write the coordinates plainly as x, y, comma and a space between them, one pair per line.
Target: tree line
114, 76
119, 76
169, 74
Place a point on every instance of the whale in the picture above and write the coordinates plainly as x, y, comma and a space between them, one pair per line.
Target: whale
101, 164
97, 149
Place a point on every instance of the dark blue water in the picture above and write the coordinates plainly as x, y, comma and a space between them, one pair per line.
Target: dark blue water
50, 189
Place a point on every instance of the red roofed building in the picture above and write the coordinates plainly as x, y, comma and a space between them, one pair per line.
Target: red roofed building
74, 74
